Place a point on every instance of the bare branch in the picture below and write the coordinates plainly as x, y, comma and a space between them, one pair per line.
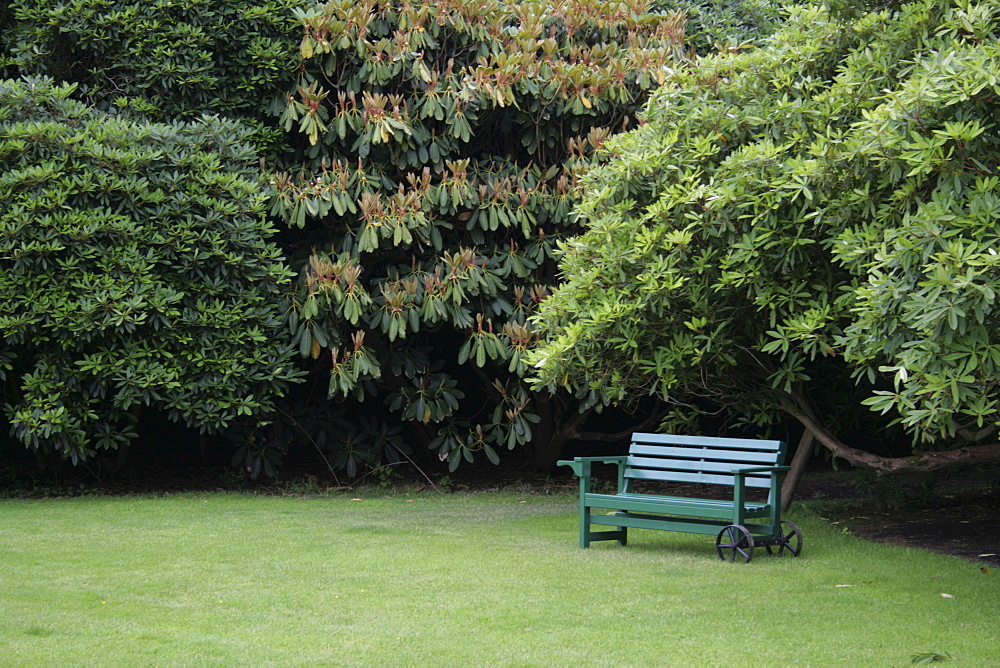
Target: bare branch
797, 406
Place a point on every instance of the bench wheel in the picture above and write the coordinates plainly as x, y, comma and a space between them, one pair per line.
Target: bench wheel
791, 539
734, 541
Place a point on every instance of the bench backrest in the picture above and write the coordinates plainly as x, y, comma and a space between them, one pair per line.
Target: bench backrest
699, 459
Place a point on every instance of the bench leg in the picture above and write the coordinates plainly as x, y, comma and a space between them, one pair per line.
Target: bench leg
587, 535
623, 535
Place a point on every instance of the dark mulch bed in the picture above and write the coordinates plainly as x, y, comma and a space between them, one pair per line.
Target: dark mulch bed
963, 525
960, 519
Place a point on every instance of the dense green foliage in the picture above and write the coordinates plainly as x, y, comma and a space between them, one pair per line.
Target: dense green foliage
167, 59
440, 143
427, 156
791, 217
713, 26
135, 270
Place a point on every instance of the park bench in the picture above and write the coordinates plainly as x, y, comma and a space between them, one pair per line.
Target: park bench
661, 458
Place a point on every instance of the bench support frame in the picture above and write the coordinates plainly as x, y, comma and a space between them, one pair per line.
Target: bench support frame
669, 458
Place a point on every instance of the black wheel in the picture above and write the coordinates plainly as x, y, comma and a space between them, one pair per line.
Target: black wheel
734, 541
791, 539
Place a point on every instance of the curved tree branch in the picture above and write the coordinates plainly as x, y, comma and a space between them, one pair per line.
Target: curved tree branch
796, 405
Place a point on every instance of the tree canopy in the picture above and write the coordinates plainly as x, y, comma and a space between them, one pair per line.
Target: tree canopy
439, 145
807, 229
423, 161
135, 270
162, 59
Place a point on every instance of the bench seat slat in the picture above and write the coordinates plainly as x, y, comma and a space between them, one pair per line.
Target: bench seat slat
672, 505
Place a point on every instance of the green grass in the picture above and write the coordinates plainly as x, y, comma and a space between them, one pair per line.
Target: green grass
491, 578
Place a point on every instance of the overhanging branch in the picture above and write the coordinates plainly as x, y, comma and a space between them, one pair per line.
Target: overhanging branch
796, 405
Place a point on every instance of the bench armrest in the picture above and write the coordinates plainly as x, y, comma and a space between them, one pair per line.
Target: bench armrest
581, 465
761, 469
773, 497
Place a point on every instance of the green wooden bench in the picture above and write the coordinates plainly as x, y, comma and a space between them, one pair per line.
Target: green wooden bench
739, 524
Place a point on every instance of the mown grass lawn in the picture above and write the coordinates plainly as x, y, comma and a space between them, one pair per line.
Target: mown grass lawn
488, 578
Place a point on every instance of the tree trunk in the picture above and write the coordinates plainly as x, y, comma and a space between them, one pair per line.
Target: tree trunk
799, 461
558, 425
